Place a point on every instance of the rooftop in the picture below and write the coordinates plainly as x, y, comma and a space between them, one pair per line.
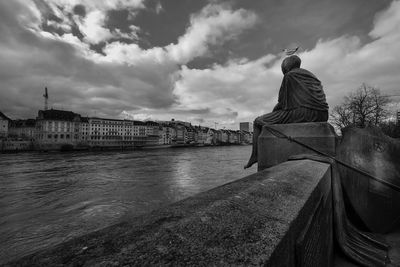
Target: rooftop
23, 123
54, 114
4, 117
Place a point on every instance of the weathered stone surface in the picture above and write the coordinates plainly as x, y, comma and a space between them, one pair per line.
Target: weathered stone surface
392, 239
262, 219
273, 150
370, 150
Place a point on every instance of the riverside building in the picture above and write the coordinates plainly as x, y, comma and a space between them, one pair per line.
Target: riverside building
114, 133
84, 130
57, 129
4, 122
152, 133
23, 129
165, 134
246, 126
65, 130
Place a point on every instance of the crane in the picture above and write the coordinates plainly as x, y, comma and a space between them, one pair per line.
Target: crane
46, 98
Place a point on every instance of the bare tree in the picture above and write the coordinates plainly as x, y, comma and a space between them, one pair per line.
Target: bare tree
365, 106
380, 103
341, 116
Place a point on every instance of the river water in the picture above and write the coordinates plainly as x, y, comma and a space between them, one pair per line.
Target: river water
46, 199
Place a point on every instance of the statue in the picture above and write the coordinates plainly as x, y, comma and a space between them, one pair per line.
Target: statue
301, 99
377, 203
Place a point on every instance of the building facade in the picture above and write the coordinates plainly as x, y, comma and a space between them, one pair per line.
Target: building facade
57, 129
246, 137
23, 129
111, 133
181, 134
246, 126
4, 124
202, 135
125, 134
152, 133
166, 134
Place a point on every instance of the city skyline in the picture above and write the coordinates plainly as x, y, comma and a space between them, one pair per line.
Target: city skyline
200, 61
127, 117
58, 130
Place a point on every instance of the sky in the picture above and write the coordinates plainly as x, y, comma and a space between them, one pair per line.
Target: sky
201, 61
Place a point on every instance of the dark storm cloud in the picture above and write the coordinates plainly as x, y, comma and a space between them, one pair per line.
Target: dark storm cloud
75, 30
119, 19
193, 60
48, 16
285, 23
29, 62
202, 111
98, 48
282, 24
52, 29
166, 27
80, 10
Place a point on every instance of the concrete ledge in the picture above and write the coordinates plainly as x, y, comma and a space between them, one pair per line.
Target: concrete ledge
273, 150
272, 218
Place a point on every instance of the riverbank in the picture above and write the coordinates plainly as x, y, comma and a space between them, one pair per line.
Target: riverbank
28, 146
52, 197
252, 221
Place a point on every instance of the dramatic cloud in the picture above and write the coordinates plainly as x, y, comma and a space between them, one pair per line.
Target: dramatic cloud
344, 63
96, 65
231, 92
92, 28
250, 87
212, 26
123, 80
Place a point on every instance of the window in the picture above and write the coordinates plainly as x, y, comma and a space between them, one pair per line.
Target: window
49, 136
56, 136
61, 136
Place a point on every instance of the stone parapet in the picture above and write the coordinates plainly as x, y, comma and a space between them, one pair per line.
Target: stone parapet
273, 150
281, 216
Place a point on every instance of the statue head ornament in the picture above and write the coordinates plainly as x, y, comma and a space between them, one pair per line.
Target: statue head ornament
289, 63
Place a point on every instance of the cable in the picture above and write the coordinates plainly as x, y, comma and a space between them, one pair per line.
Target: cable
279, 134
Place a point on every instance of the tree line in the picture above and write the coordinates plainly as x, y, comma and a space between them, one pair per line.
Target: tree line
363, 107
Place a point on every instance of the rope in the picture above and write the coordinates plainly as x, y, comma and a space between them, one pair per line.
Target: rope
279, 134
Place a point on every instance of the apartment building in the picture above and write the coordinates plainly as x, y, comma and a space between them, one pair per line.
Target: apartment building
57, 129
114, 133
23, 129
246, 126
166, 134
4, 123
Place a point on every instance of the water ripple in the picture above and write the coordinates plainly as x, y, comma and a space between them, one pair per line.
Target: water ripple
46, 199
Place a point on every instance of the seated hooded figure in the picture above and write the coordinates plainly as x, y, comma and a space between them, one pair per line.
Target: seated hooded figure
301, 99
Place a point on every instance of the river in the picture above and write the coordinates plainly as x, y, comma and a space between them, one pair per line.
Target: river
49, 198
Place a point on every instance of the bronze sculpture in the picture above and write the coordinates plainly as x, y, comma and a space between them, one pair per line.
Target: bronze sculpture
301, 99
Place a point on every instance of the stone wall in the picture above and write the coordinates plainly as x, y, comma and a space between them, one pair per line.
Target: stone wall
281, 216
273, 150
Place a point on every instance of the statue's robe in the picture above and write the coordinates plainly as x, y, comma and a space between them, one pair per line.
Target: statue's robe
376, 204
301, 99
